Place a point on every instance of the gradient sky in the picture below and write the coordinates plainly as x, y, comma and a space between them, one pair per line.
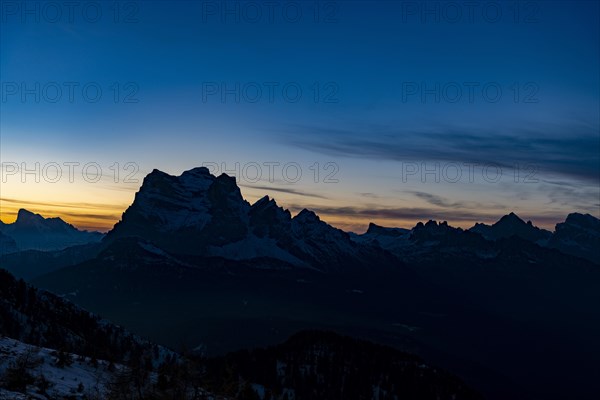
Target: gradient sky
392, 93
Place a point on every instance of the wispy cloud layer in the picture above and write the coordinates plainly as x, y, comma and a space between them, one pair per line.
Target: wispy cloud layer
279, 189
570, 150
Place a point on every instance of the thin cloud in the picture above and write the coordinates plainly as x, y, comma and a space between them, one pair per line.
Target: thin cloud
408, 213
369, 195
286, 190
63, 204
547, 148
436, 200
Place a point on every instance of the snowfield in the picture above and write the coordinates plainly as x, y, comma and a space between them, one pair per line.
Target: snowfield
82, 377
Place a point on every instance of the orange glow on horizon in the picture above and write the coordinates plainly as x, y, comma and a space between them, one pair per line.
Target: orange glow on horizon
86, 217
102, 217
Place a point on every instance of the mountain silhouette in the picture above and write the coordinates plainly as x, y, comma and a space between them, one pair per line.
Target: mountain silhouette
192, 262
511, 225
198, 214
32, 231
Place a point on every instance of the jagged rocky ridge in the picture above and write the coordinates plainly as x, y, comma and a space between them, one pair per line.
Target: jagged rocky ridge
578, 236
198, 214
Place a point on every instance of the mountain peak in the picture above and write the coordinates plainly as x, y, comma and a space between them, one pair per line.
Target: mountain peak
510, 218
26, 216
374, 228
583, 220
200, 171
186, 213
307, 216
579, 235
27, 219
263, 200
156, 173
511, 225
263, 203
33, 231
379, 230
432, 224
159, 183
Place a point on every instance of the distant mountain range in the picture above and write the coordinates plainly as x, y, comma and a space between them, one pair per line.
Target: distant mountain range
578, 236
192, 263
33, 232
511, 225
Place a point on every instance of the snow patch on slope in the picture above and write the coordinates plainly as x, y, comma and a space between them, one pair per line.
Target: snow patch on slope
254, 247
78, 379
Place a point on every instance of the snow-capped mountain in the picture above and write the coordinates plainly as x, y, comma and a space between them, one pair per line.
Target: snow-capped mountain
185, 214
33, 232
578, 236
198, 214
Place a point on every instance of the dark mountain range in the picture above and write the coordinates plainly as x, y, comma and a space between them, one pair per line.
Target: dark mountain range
33, 232
512, 225
579, 236
191, 264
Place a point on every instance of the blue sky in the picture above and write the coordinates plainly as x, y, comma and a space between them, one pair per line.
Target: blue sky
391, 99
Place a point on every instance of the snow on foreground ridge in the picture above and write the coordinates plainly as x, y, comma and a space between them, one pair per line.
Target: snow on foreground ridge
83, 377
30, 372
